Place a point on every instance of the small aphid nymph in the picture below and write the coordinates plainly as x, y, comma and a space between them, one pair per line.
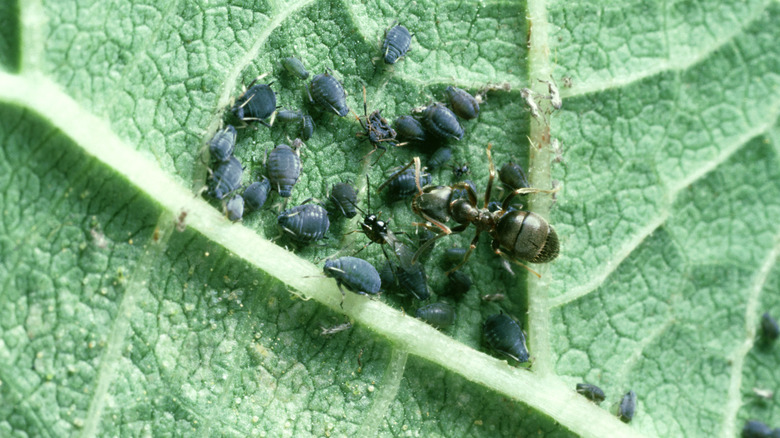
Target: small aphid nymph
439, 158
329, 94
344, 198
235, 208
307, 127
409, 129
222, 144
591, 392
295, 67
463, 104
627, 407
396, 44
357, 275
440, 315
257, 193
442, 122
304, 223
256, 104
226, 178
287, 116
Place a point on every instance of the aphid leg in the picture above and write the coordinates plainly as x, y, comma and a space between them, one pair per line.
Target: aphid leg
491, 177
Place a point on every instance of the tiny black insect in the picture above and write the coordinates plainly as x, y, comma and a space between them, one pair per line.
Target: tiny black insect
627, 407
440, 315
439, 158
591, 392
441, 121
409, 129
222, 144
328, 93
769, 327
460, 170
307, 127
304, 223
396, 44
226, 178
355, 274
295, 66
235, 208
257, 193
344, 197
256, 104
504, 335
463, 104
284, 168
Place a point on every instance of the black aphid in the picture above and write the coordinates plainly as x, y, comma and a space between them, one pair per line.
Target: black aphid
256, 104
283, 168
409, 129
513, 176
355, 274
463, 104
453, 256
235, 208
627, 407
757, 429
423, 235
458, 284
307, 127
440, 315
387, 274
439, 158
591, 392
396, 44
328, 93
441, 121
257, 193
504, 335
344, 198
304, 223
287, 116
222, 144
226, 178
769, 328
295, 67
402, 183
411, 276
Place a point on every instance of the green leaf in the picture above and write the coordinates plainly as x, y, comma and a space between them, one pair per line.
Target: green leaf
131, 306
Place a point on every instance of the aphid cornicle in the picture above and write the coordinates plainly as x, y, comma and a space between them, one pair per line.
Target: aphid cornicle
440, 315
627, 407
357, 275
439, 158
504, 335
256, 104
769, 328
513, 176
442, 122
307, 127
304, 223
284, 168
463, 104
328, 93
223, 143
235, 208
295, 67
344, 198
226, 178
591, 392
409, 129
257, 193
396, 44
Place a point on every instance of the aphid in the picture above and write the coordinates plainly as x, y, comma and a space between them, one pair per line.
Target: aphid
307, 127
357, 275
235, 208
396, 44
555, 95
528, 97
295, 67
387, 274
256, 104
591, 392
226, 178
453, 256
460, 170
328, 331
304, 223
769, 327
627, 407
441, 121
504, 335
286, 116
458, 284
409, 129
402, 183
328, 93
222, 144
463, 104
257, 193
513, 176
344, 197
423, 235
492, 297
284, 168
411, 276
439, 158
757, 429
440, 315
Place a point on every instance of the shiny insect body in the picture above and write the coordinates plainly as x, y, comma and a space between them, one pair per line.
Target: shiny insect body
357, 275
396, 43
307, 127
328, 93
403, 183
256, 104
344, 198
513, 176
222, 144
453, 256
409, 129
295, 67
283, 168
463, 104
504, 335
442, 122
591, 392
235, 208
440, 315
439, 158
304, 223
257, 193
627, 407
226, 178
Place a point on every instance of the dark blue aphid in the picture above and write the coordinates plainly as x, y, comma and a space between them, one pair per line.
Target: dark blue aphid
287, 116
355, 274
344, 198
402, 184
226, 178
407, 128
387, 274
769, 327
458, 284
295, 67
441, 121
235, 208
439, 158
396, 44
513, 176
328, 93
422, 236
307, 127
591, 392
440, 315
463, 104
257, 193
627, 407
283, 169
304, 223
504, 335
256, 104
757, 429
222, 144
453, 256
411, 276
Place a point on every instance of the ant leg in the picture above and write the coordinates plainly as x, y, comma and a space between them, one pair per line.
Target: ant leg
525, 191
421, 250
472, 246
492, 176
507, 257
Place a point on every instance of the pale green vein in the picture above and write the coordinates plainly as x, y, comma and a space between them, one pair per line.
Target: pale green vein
33, 42
387, 393
734, 399
548, 395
